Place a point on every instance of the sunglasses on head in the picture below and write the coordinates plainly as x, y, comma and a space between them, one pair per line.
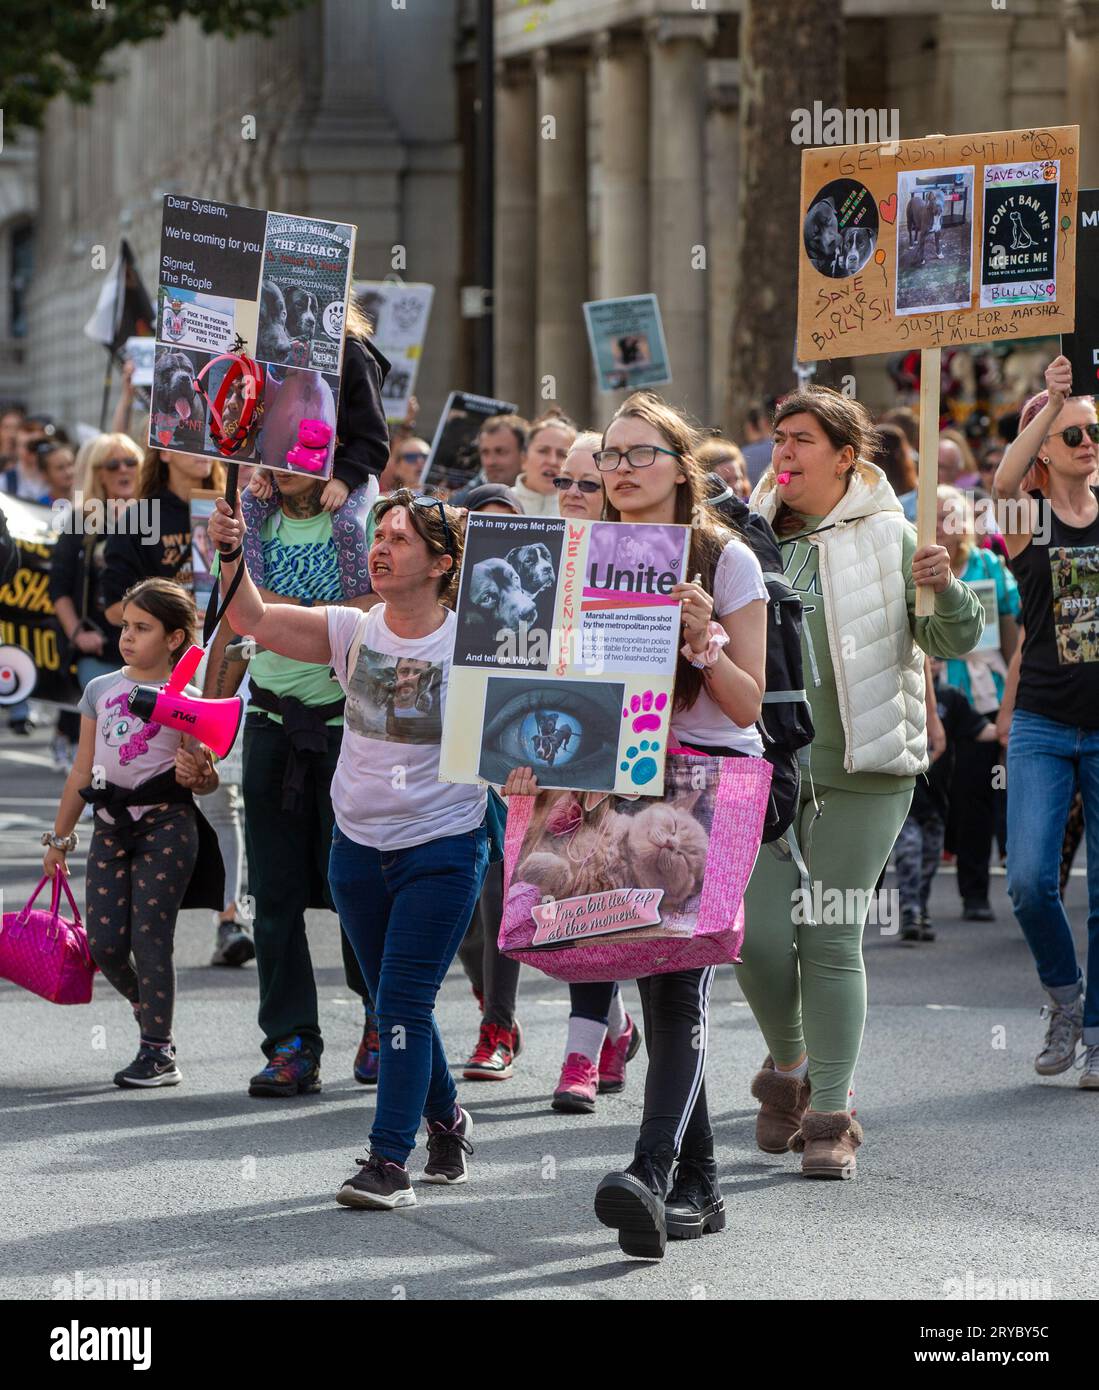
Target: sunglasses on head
113, 465
430, 504
1073, 434
585, 485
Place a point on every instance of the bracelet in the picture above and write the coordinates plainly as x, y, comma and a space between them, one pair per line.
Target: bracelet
717, 639
61, 842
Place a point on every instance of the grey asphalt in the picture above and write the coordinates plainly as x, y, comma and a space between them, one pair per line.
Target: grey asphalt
974, 1168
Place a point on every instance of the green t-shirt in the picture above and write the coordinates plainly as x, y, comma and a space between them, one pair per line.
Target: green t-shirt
952, 630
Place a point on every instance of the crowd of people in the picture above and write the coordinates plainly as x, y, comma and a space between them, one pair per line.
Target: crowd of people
343, 578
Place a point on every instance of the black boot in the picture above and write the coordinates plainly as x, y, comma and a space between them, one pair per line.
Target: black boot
694, 1207
632, 1202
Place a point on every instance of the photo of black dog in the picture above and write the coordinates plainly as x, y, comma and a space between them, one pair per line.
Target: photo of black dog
287, 324
176, 409
841, 228
550, 739
822, 236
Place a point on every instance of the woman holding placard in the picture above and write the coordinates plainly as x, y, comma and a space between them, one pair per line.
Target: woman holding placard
848, 550
1049, 516
652, 475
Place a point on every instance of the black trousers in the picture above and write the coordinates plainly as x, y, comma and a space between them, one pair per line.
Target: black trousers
675, 1009
972, 817
494, 976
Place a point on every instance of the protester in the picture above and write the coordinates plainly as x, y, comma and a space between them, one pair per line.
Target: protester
894, 457
548, 441
57, 464
292, 739
10, 418
408, 463
978, 804
849, 551
149, 854
652, 475
492, 497
1053, 748
957, 466
24, 480
721, 456
756, 446
500, 444
906, 420
919, 848
408, 854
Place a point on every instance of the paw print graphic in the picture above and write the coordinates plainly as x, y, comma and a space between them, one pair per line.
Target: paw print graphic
644, 712
639, 762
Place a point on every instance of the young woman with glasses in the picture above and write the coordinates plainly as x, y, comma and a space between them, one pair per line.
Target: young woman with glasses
408, 852
652, 476
1049, 515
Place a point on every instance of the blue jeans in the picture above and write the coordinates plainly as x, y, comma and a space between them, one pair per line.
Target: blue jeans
88, 667
405, 913
1046, 761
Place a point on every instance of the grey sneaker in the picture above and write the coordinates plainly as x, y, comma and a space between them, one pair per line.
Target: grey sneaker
1066, 1025
1089, 1060
234, 945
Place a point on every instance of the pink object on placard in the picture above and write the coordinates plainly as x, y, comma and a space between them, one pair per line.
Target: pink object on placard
44, 952
673, 871
311, 450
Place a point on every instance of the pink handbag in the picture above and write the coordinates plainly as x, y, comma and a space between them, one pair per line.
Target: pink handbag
600, 887
46, 953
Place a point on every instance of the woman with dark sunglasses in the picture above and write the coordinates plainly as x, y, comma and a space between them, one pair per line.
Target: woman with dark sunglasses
408, 852
1049, 514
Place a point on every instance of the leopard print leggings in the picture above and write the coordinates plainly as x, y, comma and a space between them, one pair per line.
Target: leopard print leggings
133, 896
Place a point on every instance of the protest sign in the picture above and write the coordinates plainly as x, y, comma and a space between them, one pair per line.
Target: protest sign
141, 351
27, 617
1081, 346
203, 550
271, 286
565, 653
453, 460
399, 314
627, 343
937, 242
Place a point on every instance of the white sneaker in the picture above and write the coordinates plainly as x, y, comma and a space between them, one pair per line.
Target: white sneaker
1089, 1060
1066, 1027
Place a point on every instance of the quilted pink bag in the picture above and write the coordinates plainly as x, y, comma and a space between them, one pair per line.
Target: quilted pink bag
600, 887
46, 953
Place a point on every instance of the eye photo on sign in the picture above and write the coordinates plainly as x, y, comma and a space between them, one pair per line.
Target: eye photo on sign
840, 230
566, 731
935, 240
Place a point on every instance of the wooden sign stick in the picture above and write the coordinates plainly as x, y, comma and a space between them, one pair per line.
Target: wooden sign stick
928, 484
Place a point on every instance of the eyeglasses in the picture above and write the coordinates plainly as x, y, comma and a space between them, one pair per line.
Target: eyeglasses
413, 456
640, 456
585, 485
1074, 434
113, 465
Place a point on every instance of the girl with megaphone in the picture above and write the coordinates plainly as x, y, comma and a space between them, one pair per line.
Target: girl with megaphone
151, 851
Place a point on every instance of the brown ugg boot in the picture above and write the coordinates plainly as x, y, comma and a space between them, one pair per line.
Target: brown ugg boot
783, 1102
827, 1140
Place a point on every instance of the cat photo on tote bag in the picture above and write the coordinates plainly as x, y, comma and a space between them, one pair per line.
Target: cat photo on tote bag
602, 887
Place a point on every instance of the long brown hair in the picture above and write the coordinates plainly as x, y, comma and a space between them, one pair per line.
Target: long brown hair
708, 537
844, 420
153, 477
427, 522
894, 457
170, 604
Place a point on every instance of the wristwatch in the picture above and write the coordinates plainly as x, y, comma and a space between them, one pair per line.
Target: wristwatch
63, 842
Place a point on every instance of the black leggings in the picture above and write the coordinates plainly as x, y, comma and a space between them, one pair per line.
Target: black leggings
493, 975
675, 1010
133, 897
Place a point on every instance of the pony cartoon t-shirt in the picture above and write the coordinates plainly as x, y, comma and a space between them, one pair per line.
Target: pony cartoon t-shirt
127, 750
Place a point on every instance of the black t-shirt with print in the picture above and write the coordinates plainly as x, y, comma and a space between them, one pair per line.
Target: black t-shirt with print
1059, 593
165, 555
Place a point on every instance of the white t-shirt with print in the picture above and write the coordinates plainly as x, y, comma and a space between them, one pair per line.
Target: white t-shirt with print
386, 791
738, 579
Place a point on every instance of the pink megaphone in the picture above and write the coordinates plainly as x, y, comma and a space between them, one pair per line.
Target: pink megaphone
212, 722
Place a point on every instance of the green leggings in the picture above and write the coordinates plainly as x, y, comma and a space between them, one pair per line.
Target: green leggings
806, 984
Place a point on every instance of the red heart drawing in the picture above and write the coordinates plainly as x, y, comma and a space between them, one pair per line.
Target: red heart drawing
165, 436
888, 208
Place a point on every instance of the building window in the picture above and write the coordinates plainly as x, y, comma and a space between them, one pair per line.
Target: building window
22, 264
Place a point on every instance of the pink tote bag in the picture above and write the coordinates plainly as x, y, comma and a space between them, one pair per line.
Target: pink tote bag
46, 953
601, 887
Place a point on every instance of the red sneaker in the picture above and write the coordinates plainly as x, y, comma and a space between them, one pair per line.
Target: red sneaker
577, 1085
493, 1055
614, 1056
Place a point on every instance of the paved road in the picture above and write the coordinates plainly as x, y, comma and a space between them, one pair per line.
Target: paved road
973, 1165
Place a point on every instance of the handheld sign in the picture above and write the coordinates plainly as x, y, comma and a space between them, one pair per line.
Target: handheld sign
1081, 346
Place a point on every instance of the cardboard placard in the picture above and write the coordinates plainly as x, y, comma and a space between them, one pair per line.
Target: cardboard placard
937, 242
266, 284
1081, 346
565, 654
626, 337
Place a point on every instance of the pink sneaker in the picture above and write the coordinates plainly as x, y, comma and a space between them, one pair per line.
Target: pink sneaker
613, 1058
577, 1085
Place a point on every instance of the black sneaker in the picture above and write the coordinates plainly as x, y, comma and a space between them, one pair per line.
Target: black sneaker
291, 1072
978, 912
447, 1147
378, 1185
910, 926
927, 931
694, 1207
234, 945
151, 1067
632, 1202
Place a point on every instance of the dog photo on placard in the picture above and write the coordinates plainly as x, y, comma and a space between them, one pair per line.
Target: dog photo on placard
840, 231
508, 589
934, 240
177, 412
566, 731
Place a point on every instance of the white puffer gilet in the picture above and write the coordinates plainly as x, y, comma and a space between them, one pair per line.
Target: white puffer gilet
878, 667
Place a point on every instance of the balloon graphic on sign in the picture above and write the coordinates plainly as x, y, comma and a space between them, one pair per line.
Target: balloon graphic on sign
17, 675
879, 256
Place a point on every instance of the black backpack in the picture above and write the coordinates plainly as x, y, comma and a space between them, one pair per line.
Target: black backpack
786, 722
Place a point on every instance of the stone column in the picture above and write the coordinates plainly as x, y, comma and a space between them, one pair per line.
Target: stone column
516, 233
561, 350
677, 210
974, 72
722, 225
1082, 92
624, 123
